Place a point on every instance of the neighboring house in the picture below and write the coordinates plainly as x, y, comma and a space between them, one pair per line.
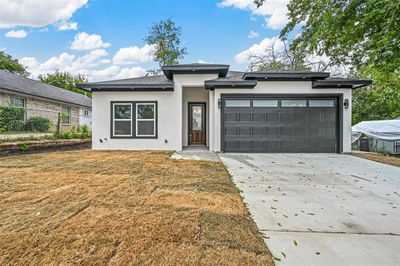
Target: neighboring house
378, 136
208, 105
44, 100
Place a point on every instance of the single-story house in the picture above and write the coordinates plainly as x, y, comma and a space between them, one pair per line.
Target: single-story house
44, 100
228, 111
377, 136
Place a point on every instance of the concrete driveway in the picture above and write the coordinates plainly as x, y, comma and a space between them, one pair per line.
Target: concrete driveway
322, 209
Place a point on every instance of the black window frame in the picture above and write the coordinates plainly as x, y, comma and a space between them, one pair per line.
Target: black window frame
134, 120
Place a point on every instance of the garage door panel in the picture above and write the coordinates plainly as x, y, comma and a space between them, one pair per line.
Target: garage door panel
258, 131
280, 129
273, 116
230, 117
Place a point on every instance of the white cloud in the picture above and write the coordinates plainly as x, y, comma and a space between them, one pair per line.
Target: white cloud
130, 73
93, 64
202, 61
65, 25
274, 10
134, 55
253, 34
84, 41
37, 13
259, 49
16, 34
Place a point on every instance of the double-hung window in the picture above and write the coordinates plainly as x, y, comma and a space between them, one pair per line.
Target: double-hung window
145, 120
17, 102
122, 119
134, 119
66, 114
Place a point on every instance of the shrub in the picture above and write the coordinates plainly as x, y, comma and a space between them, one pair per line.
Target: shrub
39, 124
11, 118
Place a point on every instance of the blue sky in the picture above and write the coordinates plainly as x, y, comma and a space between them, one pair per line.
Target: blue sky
104, 39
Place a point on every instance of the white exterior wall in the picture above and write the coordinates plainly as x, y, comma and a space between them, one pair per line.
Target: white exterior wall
192, 86
193, 94
83, 119
169, 117
283, 87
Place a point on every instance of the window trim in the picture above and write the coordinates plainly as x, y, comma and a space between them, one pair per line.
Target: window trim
69, 114
17, 97
133, 126
113, 119
137, 120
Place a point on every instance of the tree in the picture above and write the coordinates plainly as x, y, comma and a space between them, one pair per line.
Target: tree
356, 32
364, 34
166, 37
278, 56
66, 81
12, 65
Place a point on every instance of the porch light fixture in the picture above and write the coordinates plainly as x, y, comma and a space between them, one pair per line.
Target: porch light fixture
346, 104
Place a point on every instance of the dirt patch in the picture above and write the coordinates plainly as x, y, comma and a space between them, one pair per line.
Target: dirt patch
117, 208
390, 160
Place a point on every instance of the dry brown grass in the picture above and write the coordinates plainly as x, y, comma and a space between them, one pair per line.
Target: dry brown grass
93, 207
391, 160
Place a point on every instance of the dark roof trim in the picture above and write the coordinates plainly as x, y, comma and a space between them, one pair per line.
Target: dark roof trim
221, 70
346, 84
210, 84
285, 76
127, 87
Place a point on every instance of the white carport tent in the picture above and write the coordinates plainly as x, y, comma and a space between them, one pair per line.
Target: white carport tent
388, 130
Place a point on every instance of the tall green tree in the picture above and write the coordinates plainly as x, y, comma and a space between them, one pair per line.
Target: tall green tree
364, 34
66, 81
355, 32
7, 62
166, 37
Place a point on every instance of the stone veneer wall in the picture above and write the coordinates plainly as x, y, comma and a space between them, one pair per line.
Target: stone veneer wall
43, 108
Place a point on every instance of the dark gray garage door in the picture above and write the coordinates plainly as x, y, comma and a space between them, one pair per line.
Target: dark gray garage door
279, 124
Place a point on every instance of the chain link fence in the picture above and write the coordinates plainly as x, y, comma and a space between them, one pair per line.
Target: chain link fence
18, 122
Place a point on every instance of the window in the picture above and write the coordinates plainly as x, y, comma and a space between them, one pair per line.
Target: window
66, 114
294, 103
145, 119
86, 112
122, 119
17, 102
265, 103
321, 103
237, 103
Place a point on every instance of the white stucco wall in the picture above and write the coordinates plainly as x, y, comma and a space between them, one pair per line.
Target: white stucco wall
85, 119
169, 121
193, 94
282, 87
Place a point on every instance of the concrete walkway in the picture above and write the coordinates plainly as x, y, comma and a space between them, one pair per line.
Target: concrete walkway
195, 153
322, 209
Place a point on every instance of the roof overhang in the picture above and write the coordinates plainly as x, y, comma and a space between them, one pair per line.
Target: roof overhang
285, 76
127, 87
215, 84
345, 84
221, 70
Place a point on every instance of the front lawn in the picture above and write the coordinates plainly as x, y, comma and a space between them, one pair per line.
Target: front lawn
95, 207
391, 160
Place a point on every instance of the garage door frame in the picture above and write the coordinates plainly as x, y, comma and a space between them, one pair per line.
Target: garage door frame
337, 96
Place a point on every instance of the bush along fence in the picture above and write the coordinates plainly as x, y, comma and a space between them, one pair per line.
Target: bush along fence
21, 123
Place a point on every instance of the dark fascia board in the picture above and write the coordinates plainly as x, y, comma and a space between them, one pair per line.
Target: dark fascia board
345, 84
221, 70
230, 84
127, 87
285, 76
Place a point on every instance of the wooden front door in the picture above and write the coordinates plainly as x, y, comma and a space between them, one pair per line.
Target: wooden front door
197, 124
